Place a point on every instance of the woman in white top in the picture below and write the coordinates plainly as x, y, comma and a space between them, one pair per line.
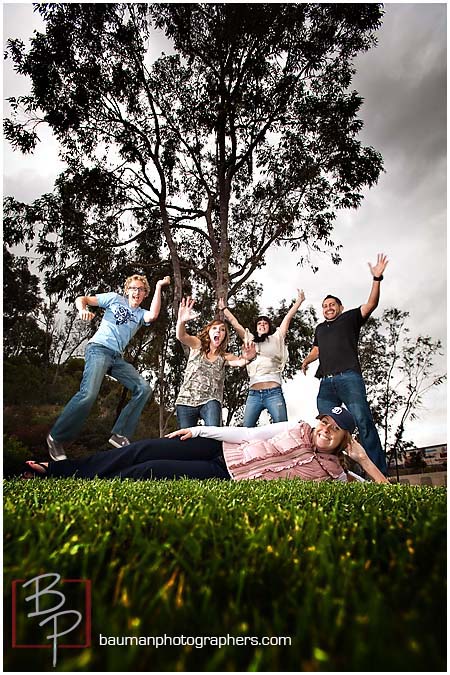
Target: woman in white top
265, 392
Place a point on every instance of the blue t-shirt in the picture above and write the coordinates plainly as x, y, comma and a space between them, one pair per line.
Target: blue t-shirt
119, 322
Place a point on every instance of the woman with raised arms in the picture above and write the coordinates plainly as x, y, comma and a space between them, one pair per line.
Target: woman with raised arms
201, 394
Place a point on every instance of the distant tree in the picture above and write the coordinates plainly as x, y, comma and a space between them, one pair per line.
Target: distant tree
21, 292
398, 370
419, 376
25, 338
244, 139
22, 304
415, 460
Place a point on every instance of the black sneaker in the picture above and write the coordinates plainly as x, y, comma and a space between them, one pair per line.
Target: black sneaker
55, 449
119, 441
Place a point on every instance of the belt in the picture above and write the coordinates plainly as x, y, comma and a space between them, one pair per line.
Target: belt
334, 374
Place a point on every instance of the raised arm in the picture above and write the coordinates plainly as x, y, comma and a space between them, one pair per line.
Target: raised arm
234, 434
377, 275
356, 452
312, 356
240, 330
248, 355
82, 303
155, 307
184, 314
284, 327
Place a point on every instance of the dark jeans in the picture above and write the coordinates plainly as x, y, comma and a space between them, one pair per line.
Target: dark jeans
153, 458
348, 388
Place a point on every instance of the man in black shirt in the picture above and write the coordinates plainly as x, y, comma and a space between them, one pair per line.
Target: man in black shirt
336, 347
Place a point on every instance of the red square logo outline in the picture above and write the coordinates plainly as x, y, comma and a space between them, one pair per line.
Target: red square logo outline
88, 608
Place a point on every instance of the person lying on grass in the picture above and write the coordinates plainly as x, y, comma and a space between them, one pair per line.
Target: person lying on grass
280, 450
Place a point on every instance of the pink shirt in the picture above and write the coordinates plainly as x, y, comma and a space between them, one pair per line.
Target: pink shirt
281, 450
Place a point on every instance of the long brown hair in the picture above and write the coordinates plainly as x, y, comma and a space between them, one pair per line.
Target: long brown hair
204, 338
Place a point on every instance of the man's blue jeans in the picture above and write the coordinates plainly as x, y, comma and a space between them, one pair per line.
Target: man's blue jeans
348, 388
271, 400
210, 412
100, 360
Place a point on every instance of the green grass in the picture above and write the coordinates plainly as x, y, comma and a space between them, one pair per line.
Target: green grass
354, 574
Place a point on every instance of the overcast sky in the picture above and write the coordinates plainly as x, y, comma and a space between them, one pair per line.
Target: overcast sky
403, 83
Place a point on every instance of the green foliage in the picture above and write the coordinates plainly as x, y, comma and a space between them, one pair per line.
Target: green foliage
30, 383
20, 288
14, 456
22, 382
21, 304
353, 573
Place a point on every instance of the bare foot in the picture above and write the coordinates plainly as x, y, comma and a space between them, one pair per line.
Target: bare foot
37, 469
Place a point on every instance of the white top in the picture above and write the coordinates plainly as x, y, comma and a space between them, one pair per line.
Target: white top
271, 357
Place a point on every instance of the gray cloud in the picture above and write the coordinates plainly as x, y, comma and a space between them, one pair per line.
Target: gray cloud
403, 82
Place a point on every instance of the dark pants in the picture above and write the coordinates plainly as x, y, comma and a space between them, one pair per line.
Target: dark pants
153, 458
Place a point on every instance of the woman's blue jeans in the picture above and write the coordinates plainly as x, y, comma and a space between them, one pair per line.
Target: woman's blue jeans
189, 415
271, 400
348, 388
100, 360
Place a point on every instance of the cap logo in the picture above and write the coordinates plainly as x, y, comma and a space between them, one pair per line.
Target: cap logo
337, 410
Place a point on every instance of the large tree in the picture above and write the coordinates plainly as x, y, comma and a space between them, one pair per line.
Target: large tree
245, 137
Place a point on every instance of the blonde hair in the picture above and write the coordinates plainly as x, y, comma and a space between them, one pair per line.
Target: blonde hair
344, 459
137, 277
204, 338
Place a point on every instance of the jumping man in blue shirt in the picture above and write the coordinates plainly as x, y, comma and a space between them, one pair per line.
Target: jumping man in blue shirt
104, 354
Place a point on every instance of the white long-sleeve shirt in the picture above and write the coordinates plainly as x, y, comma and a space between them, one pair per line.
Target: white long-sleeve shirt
242, 434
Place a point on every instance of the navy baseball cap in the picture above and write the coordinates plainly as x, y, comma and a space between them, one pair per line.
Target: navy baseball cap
343, 418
